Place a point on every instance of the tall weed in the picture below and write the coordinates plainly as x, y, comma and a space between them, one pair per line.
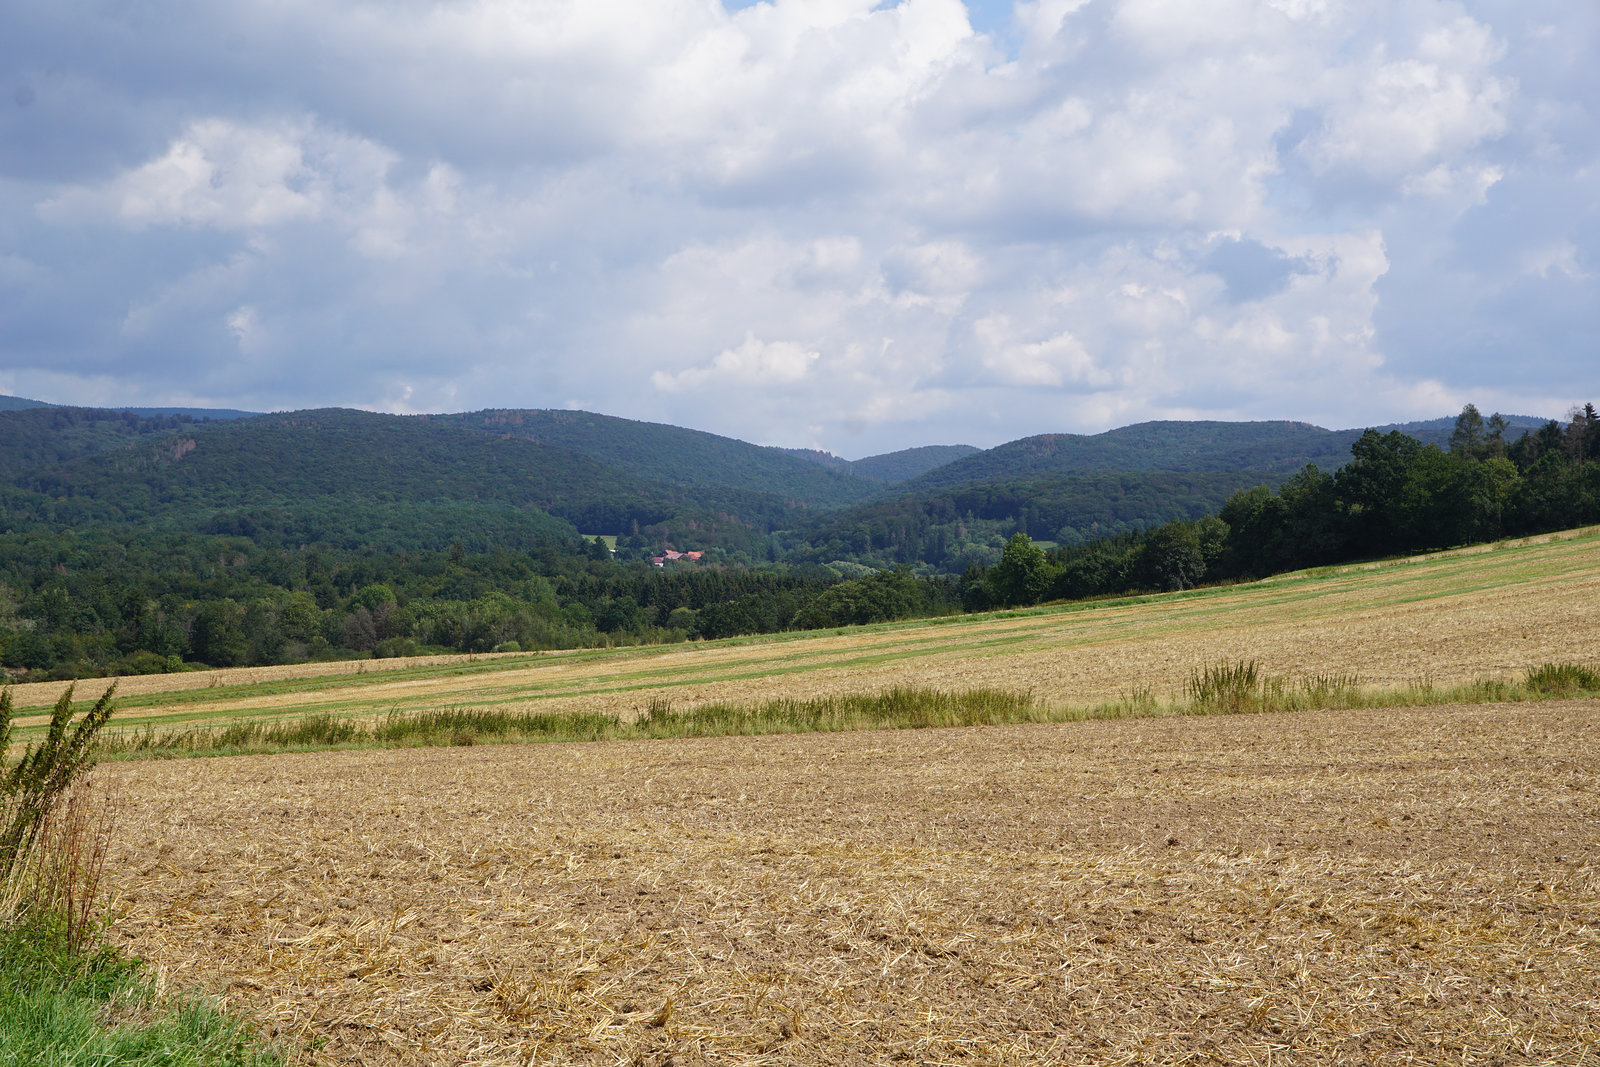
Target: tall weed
53, 838
1226, 688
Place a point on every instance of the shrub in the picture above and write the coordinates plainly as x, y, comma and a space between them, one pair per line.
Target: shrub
396, 647
141, 662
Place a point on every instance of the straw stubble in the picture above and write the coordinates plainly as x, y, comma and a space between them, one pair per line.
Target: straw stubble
1402, 885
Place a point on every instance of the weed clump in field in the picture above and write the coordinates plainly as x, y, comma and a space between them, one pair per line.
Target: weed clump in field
898, 708
1234, 688
464, 726
1562, 680
902, 707
1220, 689
1225, 688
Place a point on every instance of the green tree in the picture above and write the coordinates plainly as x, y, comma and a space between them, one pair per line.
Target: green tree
217, 637
1496, 436
1172, 558
1022, 576
1372, 488
1488, 490
1468, 438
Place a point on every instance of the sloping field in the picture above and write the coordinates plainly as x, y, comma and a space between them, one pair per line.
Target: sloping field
1373, 887
1447, 618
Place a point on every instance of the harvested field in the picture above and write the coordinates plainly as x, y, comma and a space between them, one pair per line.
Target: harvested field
1450, 618
1396, 886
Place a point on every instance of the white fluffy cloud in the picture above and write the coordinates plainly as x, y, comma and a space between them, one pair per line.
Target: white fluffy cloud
755, 363
821, 222
1437, 100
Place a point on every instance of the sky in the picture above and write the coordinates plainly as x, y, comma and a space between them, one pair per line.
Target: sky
843, 224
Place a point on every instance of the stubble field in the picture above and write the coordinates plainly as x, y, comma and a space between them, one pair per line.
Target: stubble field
1412, 886
1416, 885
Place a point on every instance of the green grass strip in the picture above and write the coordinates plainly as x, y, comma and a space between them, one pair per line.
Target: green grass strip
66, 1008
1228, 688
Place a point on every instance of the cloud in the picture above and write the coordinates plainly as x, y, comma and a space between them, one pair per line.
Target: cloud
842, 222
755, 362
1051, 361
230, 176
1406, 112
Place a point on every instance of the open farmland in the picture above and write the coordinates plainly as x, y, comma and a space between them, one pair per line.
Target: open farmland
1417, 885
1398, 886
1448, 618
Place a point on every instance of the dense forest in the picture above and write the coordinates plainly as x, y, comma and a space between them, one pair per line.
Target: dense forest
137, 544
1395, 496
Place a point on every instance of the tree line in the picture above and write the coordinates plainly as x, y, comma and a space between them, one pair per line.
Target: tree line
124, 600
1395, 496
248, 588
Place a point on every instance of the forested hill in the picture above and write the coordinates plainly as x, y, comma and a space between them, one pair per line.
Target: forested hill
516, 478
674, 455
270, 470
1274, 449
902, 466
36, 436
1179, 447
22, 403
19, 403
1437, 431
130, 544
890, 467
949, 529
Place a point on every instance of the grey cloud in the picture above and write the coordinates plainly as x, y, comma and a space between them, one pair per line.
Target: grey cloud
1251, 270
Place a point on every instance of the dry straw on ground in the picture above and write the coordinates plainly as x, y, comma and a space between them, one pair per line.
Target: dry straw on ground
1399, 886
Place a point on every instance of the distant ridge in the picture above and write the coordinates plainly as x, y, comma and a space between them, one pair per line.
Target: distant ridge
1174, 447
22, 403
193, 413
890, 467
908, 463
1437, 431
672, 454
536, 477
1190, 447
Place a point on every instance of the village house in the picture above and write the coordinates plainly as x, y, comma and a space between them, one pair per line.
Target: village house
671, 554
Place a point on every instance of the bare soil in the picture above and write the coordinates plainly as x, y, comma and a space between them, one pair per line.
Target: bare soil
1384, 887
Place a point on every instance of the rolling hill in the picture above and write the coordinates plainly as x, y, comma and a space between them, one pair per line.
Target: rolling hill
341, 476
22, 403
271, 470
890, 467
1270, 448
673, 455
1177, 447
